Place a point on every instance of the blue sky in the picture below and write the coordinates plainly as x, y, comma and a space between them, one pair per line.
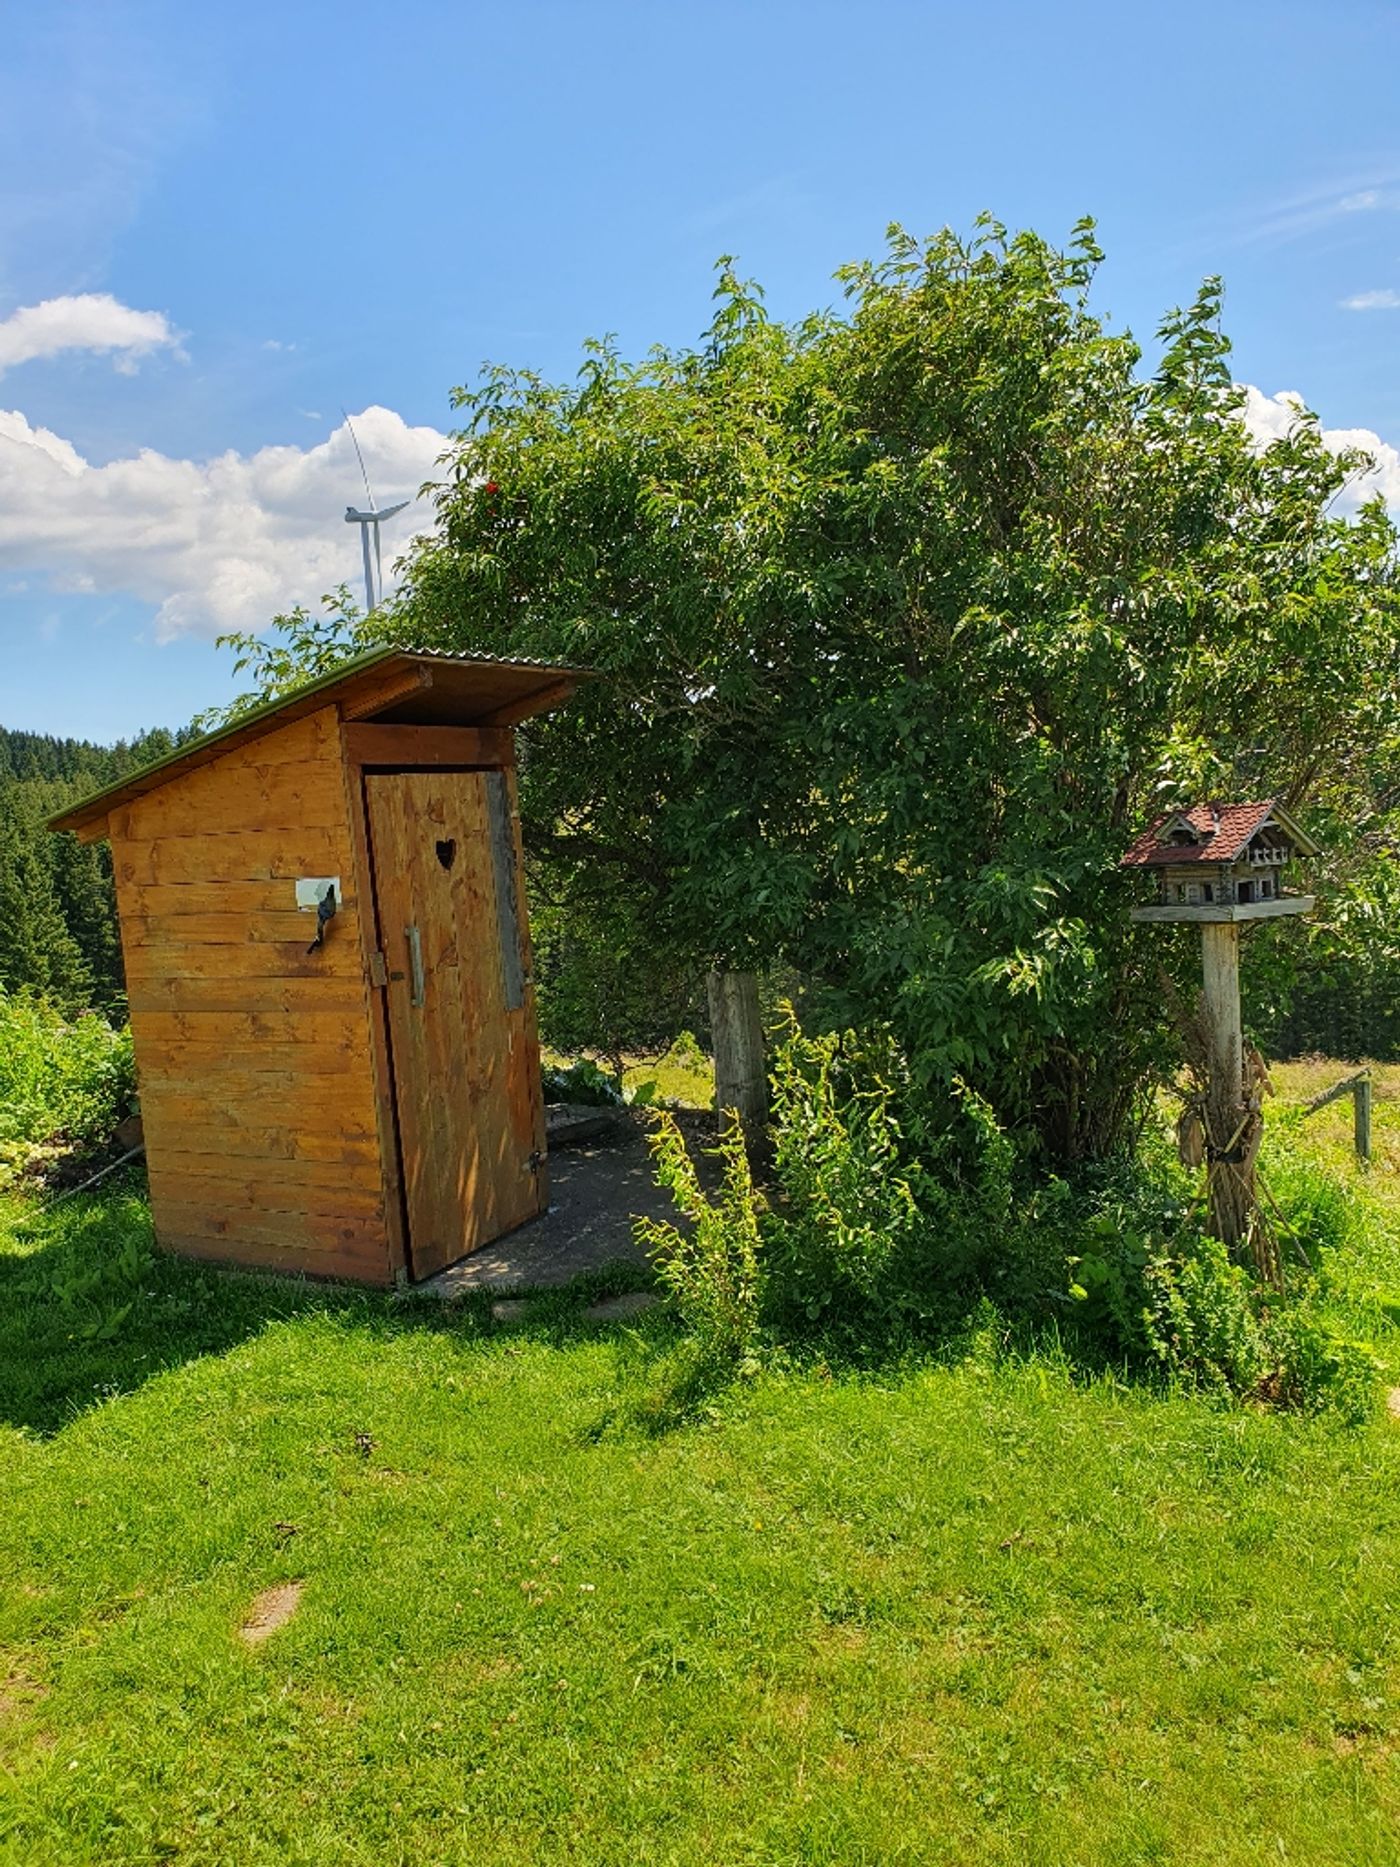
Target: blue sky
222, 227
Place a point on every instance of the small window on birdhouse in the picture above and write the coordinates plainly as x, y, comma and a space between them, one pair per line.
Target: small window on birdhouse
1178, 833
1193, 892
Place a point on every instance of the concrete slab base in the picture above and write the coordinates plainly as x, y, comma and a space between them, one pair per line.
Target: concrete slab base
595, 1192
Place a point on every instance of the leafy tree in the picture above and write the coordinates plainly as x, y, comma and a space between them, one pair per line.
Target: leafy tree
298, 647
58, 918
907, 617
36, 946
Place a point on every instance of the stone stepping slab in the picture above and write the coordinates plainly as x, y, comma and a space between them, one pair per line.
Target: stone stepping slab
570, 1124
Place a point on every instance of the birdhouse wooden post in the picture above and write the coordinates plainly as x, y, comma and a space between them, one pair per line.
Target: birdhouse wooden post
328, 969
1221, 865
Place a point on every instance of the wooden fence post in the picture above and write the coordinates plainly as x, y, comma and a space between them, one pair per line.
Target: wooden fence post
741, 1075
1229, 1169
1361, 1118
1359, 1087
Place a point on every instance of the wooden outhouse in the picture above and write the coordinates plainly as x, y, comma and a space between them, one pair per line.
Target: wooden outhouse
328, 967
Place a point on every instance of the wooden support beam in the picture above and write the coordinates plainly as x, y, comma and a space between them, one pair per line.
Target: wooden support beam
401, 746
1346, 1087
1361, 1090
383, 692
540, 701
1230, 1174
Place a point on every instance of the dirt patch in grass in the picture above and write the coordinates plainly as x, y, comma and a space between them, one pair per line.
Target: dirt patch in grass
272, 1609
18, 1692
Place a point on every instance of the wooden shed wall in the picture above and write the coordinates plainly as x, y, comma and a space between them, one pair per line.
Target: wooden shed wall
254, 1057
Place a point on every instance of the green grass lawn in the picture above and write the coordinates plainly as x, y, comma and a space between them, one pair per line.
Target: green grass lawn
985, 1609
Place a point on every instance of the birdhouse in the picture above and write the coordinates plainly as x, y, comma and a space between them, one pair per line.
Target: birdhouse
328, 969
1221, 862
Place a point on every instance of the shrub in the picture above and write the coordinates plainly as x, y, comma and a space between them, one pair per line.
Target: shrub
1200, 1317
1316, 1369
581, 1081
685, 1053
884, 1225
890, 1214
1152, 1288
712, 1268
850, 1223
62, 1082
875, 1229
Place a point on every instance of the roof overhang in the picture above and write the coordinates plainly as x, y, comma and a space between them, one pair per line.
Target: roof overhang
395, 686
1277, 814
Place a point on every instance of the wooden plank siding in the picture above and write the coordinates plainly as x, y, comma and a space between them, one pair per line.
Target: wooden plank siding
254, 1057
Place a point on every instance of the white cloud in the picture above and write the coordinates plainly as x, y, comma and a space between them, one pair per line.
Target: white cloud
1269, 418
214, 545
1372, 301
90, 321
1359, 203
230, 542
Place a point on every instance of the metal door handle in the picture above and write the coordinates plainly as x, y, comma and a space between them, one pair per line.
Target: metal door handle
415, 965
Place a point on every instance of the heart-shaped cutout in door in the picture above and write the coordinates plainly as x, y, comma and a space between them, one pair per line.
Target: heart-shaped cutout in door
447, 851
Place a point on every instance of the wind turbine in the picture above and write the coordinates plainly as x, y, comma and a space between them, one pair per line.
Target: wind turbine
367, 522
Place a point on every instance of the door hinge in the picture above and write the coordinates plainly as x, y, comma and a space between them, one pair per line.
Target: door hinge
535, 1162
378, 971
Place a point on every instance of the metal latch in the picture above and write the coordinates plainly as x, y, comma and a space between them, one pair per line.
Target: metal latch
378, 971
325, 914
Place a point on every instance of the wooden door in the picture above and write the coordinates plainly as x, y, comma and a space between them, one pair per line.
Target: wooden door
462, 1037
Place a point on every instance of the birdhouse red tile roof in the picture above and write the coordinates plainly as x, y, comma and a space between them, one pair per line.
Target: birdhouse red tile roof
1224, 831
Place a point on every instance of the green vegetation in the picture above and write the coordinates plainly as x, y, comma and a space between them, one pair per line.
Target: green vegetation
877, 1234
63, 1082
682, 1075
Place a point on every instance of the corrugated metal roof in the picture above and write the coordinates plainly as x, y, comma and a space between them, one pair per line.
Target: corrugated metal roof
342, 683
